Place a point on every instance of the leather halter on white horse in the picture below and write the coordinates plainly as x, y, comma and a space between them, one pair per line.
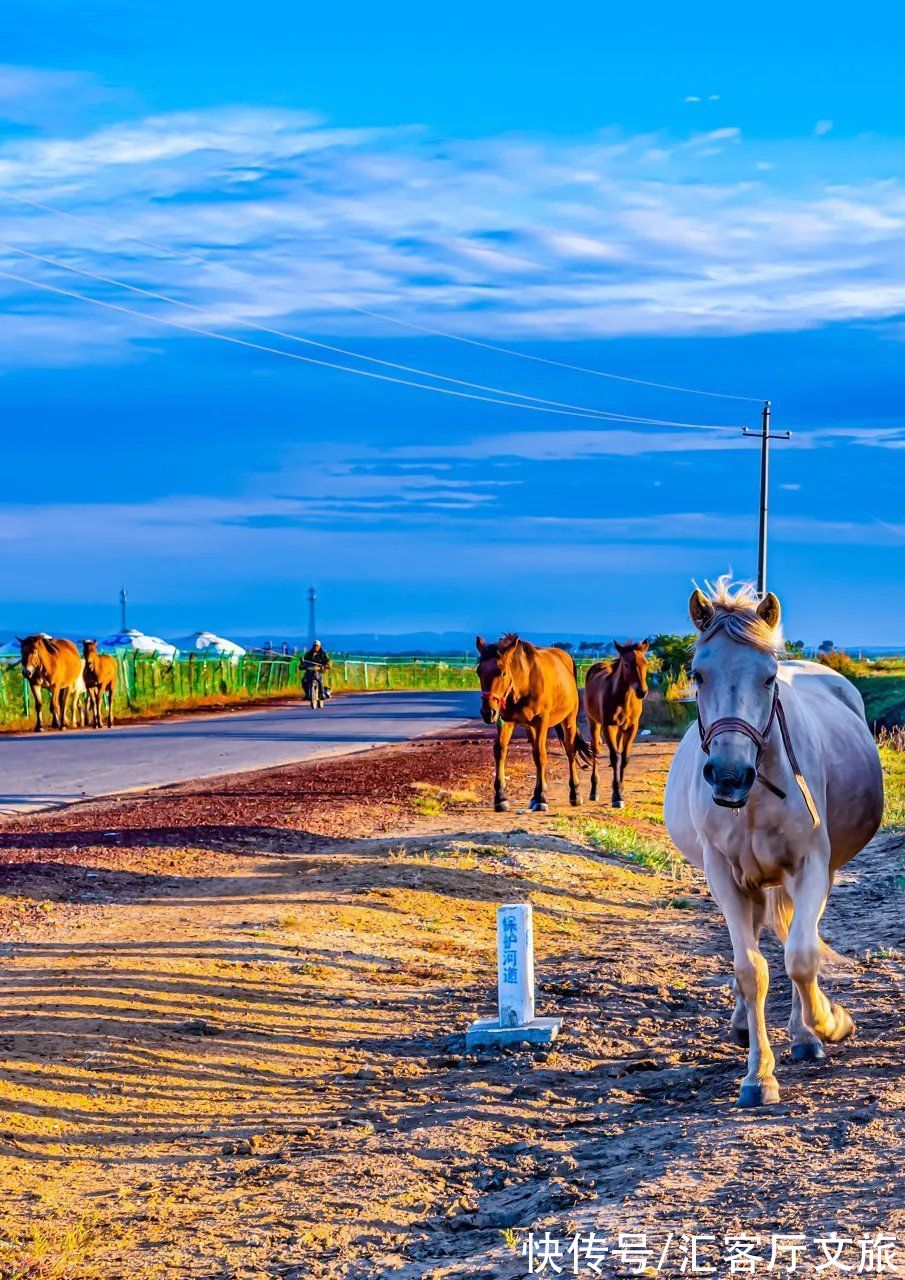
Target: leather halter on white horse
734, 724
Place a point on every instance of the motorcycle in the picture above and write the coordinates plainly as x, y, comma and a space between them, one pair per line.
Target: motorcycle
316, 691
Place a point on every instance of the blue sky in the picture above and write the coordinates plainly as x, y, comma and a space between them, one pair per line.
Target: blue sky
716, 202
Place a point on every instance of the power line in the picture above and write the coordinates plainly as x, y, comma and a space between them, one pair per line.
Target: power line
557, 364
604, 414
379, 315
290, 355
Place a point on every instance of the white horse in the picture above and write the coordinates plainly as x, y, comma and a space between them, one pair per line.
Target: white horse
775, 788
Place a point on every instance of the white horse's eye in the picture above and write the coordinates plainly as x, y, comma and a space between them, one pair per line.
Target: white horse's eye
697, 677
770, 680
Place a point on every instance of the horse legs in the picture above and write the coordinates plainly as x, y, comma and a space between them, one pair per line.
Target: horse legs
36, 694
58, 699
814, 1017
539, 750
110, 707
751, 975
500, 747
628, 738
595, 747
612, 739
738, 1023
570, 733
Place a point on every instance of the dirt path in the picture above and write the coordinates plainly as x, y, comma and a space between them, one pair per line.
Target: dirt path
232, 1037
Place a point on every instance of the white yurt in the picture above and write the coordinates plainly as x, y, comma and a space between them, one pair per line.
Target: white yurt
207, 645
139, 643
10, 651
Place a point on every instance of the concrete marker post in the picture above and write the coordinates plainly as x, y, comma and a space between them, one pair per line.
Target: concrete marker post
516, 1022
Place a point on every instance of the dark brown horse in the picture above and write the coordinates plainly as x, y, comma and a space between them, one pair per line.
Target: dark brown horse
100, 679
613, 692
50, 663
537, 688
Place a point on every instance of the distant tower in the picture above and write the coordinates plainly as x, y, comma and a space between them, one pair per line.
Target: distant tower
122, 609
312, 623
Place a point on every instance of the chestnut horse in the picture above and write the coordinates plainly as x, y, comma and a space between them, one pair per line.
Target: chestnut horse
100, 678
613, 693
49, 663
537, 688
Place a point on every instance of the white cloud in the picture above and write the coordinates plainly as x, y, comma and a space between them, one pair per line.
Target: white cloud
495, 237
822, 127
692, 97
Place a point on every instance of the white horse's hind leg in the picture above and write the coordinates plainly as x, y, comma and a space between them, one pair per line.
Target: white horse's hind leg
814, 1017
738, 1023
752, 975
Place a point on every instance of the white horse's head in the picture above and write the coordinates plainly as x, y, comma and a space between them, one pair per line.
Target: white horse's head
734, 669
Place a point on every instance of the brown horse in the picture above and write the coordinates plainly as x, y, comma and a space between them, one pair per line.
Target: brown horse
537, 688
100, 678
613, 692
50, 663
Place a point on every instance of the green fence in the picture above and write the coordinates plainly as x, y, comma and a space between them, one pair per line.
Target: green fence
147, 683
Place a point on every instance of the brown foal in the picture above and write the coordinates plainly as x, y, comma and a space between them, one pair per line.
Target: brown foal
613, 694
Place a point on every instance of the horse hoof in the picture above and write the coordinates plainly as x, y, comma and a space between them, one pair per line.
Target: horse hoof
808, 1052
618, 804
764, 1094
574, 801
539, 806
739, 1036
593, 796
502, 806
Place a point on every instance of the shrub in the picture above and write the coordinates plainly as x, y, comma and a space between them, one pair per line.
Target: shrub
839, 660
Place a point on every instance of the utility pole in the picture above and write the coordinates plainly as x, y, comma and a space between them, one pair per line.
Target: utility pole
312, 624
122, 609
765, 436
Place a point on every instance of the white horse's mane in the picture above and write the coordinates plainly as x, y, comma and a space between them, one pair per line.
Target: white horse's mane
735, 612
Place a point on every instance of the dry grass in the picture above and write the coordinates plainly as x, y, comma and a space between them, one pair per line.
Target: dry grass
52, 1251
430, 801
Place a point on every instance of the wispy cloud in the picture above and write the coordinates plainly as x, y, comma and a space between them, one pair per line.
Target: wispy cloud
822, 127
40, 97
503, 236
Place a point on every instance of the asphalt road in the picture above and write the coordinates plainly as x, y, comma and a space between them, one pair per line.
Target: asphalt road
39, 771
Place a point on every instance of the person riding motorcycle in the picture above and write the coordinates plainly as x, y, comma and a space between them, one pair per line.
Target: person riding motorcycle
317, 662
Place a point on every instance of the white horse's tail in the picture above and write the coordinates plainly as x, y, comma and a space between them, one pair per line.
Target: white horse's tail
780, 910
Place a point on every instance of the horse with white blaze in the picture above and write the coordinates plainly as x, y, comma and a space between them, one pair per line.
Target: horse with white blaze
775, 788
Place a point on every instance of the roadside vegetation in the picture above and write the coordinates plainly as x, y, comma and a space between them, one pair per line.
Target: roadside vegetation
892, 754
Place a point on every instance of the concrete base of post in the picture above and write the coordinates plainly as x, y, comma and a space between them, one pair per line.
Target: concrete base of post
488, 1031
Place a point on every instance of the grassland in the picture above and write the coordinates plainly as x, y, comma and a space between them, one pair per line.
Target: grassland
884, 698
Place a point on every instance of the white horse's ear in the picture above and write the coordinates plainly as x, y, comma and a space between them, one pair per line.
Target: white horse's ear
700, 609
481, 643
769, 611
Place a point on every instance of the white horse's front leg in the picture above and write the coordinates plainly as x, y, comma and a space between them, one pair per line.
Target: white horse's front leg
752, 976
814, 1018
738, 1023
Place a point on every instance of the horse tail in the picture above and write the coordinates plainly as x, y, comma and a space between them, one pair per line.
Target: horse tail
583, 749
780, 910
